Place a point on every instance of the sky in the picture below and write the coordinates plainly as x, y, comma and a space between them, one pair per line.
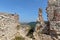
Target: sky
26, 9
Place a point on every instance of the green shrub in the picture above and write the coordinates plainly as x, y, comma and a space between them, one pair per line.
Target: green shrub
19, 38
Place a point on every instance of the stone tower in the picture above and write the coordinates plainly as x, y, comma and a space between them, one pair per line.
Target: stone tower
53, 13
40, 22
40, 17
41, 28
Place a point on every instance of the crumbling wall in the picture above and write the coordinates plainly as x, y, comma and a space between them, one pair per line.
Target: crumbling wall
54, 18
8, 24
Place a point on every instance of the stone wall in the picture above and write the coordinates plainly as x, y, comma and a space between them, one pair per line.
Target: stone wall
53, 11
8, 24
52, 28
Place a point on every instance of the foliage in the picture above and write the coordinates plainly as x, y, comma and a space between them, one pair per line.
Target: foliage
32, 24
19, 38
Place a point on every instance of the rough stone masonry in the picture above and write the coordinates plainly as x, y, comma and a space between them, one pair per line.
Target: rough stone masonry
10, 27
52, 28
8, 24
53, 12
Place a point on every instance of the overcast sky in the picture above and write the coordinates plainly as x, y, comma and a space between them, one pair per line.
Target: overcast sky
26, 9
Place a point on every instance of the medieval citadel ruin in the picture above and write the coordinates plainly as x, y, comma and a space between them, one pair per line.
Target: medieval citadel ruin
10, 26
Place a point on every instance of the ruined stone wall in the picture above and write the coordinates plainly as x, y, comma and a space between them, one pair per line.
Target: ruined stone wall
8, 24
53, 12
40, 22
